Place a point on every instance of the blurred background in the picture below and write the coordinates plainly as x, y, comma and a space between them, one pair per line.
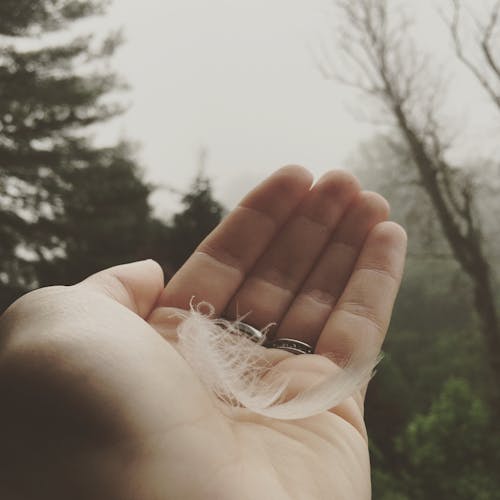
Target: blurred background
128, 129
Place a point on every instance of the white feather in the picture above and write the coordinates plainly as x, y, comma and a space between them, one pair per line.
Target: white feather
239, 371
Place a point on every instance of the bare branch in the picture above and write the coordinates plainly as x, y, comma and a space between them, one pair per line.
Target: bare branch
380, 61
484, 42
488, 32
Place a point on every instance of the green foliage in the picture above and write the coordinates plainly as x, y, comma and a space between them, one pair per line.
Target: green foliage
200, 214
434, 317
21, 17
453, 448
67, 208
433, 341
106, 218
385, 487
432, 337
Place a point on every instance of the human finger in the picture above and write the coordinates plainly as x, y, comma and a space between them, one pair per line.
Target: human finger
136, 285
219, 265
318, 295
361, 317
272, 284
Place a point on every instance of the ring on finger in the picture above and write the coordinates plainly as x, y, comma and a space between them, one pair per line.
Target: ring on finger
291, 345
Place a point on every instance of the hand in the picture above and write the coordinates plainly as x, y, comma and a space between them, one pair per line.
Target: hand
97, 404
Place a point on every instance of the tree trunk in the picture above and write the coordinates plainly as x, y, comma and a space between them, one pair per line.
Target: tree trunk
467, 249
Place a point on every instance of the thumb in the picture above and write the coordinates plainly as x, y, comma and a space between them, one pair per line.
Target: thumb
136, 286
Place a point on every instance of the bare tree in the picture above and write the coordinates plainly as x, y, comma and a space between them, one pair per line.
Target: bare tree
482, 56
378, 57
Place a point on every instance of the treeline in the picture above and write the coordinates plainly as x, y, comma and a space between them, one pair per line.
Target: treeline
432, 424
67, 207
433, 409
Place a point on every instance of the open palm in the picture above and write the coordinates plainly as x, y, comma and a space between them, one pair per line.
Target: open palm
106, 407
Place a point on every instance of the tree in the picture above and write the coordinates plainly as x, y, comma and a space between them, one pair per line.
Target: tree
106, 219
378, 57
387, 168
433, 337
25, 17
65, 204
483, 58
452, 448
200, 214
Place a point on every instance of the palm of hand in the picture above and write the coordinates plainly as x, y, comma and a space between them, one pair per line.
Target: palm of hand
240, 454
179, 440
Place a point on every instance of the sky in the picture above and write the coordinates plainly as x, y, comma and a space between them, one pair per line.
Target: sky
235, 78
238, 79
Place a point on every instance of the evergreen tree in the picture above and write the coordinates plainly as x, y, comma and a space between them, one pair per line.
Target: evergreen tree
106, 220
67, 208
200, 214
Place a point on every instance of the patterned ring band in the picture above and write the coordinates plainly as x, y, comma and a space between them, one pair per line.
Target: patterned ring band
291, 345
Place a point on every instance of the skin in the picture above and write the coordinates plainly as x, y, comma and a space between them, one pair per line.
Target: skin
98, 403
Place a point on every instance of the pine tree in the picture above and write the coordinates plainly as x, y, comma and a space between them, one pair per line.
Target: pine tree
106, 219
200, 214
67, 207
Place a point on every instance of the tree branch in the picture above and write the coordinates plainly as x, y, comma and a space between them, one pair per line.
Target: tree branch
479, 74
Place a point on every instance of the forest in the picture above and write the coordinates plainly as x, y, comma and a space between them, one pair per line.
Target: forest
69, 208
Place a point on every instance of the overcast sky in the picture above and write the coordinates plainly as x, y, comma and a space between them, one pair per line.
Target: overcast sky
236, 77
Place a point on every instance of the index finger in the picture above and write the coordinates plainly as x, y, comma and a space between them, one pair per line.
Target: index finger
218, 266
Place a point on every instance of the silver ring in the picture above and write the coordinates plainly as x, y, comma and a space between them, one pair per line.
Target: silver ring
251, 332
291, 345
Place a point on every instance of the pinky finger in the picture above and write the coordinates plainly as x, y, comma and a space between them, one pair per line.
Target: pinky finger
362, 315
